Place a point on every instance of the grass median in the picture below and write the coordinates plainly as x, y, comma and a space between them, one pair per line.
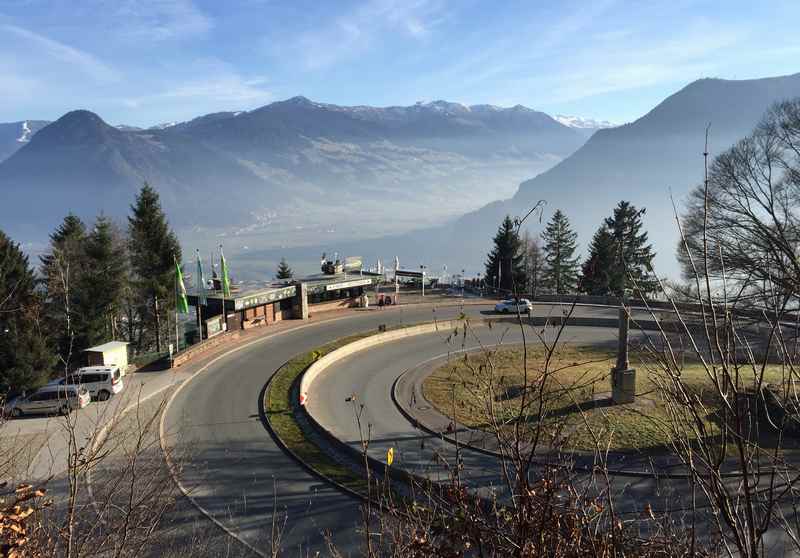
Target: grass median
280, 405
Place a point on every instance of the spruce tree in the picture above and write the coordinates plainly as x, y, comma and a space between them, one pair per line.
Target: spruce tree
599, 264
26, 361
284, 271
103, 283
634, 254
153, 249
504, 264
560, 273
62, 269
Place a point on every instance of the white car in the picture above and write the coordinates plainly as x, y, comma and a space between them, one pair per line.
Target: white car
100, 381
49, 399
508, 306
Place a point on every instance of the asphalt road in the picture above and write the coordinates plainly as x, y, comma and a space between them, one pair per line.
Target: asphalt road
368, 377
233, 469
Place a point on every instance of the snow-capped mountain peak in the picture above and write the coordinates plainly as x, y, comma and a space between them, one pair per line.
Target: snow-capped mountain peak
583, 123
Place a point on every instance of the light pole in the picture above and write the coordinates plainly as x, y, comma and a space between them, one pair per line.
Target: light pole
422, 279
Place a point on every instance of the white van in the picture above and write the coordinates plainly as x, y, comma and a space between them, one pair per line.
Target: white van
100, 381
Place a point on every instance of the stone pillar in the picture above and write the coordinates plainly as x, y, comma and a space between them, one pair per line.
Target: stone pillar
300, 302
623, 377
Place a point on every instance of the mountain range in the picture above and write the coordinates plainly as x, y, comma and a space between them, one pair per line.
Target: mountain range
652, 162
284, 173
429, 182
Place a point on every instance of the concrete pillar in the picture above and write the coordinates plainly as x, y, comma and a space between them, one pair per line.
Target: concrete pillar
300, 303
623, 377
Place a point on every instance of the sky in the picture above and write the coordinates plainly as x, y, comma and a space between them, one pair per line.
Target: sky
143, 62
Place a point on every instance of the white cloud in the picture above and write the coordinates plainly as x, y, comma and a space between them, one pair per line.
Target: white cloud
45, 47
210, 81
356, 31
159, 20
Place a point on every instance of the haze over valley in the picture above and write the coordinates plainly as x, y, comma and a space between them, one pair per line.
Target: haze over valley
287, 174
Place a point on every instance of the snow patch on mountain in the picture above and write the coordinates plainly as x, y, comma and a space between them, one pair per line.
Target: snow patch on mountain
583, 123
26, 133
164, 125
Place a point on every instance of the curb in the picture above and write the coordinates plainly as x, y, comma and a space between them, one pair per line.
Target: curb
308, 376
262, 406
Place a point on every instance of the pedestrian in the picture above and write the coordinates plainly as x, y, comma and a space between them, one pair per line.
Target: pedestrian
381, 302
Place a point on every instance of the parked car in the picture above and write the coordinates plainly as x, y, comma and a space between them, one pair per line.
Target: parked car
100, 381
507, 306
49, 399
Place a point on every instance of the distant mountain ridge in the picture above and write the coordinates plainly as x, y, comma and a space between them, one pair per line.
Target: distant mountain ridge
290, 170
646, 161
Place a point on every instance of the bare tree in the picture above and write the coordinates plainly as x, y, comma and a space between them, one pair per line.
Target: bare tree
746, 213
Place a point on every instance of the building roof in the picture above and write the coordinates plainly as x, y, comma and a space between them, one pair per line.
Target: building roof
110, 346
246, 296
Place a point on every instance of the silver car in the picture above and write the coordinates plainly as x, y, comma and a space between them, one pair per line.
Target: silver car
49, 399
524, 305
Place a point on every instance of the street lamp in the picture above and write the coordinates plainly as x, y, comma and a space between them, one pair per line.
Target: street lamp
422, 278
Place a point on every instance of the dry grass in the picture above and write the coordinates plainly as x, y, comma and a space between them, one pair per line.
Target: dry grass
575, 391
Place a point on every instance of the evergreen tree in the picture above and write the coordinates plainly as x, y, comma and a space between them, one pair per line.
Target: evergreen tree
153, 248
599, 264
504, 264
62, 268
25, 359
102, 285
284, 271
634, 254
560, 273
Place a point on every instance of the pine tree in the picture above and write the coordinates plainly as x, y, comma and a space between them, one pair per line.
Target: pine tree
62, 268
153, 248
284, 271
599, 264
560, 273
25, 358
102, 285
504, 264
634, 254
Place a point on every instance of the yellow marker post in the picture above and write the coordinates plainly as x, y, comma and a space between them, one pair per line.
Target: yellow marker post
390, 456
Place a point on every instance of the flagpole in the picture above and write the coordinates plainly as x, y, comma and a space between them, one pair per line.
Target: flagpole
200, 287
177, 335
222, 271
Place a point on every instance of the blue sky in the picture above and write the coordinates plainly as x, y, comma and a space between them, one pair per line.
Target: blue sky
142, 62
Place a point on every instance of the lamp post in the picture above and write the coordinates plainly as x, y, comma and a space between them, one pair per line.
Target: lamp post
422, 279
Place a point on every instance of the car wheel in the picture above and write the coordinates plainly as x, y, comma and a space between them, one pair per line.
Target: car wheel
103, 395
16, 412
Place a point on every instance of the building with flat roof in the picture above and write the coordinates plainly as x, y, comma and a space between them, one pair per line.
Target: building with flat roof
251, 305
113, 352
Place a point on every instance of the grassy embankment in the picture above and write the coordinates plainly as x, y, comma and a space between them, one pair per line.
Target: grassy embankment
279, 405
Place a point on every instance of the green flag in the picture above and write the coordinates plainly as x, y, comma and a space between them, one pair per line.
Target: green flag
200, 283
226, 281
180, 290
